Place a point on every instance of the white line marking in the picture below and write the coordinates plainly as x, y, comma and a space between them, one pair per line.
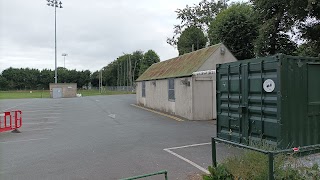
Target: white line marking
42, 123
185, 159
23, 140
188, 161
112, 116
28, 118
192, 145
16, 106
37, 129
38, 111
47, 113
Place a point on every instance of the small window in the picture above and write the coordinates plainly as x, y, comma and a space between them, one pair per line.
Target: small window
143, 89
171, 95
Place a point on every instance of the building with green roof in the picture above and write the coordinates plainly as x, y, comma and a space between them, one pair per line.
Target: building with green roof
185, 85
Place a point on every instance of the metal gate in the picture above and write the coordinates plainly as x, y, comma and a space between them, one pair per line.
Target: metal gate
56, 93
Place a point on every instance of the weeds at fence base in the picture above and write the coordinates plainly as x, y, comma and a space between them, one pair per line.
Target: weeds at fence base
254, 165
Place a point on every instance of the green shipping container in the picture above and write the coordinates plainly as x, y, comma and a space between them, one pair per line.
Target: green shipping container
275, 98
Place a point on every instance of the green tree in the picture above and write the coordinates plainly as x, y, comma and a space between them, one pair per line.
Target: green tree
3, 83
308, 49
46, 77
199, 15
191, 37
283, 17
236, 27
149, 58
95, 79
138, 59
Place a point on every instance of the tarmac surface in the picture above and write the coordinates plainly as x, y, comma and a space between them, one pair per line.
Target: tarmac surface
102, 137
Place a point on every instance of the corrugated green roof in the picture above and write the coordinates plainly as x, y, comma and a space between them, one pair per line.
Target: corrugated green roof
180, 66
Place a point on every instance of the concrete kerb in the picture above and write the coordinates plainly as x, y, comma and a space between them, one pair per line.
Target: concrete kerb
158, 112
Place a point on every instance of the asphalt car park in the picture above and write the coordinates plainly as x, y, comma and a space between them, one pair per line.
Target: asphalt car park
103, 137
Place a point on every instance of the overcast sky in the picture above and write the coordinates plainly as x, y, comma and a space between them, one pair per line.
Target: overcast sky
93, 33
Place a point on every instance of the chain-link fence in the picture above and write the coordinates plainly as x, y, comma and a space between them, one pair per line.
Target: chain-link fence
120, 88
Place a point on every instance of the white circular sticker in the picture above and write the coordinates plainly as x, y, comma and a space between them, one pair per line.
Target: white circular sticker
269, 85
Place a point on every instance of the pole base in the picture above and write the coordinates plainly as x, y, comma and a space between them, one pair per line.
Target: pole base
16, 131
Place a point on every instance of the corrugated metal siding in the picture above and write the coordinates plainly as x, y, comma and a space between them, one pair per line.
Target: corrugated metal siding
282, 117
300, 114
180, 66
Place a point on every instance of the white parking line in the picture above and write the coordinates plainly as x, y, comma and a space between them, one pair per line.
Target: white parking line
16, 106
47, 113
192, 145
38, 118
42, 123
26, 140
185, 159
38, 111
38, 129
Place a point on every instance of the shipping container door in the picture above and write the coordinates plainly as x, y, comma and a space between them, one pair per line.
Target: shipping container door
229, 102
261, 101
247, 101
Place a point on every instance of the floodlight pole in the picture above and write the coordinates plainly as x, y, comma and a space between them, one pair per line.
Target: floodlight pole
64, 59
55, 4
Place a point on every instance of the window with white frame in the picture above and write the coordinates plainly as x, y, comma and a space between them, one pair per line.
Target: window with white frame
143, 89
171, 95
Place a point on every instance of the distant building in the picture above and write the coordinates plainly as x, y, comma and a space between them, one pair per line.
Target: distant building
184, 86
63, 90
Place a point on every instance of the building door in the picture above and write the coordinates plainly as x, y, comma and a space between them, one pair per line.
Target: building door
56, 93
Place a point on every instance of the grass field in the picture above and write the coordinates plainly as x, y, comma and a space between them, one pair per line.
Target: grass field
24, 94
46, 93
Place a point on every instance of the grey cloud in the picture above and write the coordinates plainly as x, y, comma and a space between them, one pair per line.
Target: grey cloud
93, 33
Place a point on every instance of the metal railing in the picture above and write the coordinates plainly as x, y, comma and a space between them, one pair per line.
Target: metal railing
271, 154
120, 88
148, 175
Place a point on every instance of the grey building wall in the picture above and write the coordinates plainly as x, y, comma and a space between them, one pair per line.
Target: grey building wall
68, 89
157, 97
184, 98
218, 58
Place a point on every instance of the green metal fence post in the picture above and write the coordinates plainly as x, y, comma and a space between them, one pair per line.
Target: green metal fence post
166, 175
214, 152
271, 165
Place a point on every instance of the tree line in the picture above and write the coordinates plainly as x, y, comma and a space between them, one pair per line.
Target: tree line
254, 29
121, 72
124, 70
26, 78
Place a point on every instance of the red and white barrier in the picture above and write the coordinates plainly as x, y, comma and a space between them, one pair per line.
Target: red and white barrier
11, 120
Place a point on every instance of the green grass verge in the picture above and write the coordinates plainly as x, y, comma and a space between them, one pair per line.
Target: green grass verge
24, 94
46, 93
